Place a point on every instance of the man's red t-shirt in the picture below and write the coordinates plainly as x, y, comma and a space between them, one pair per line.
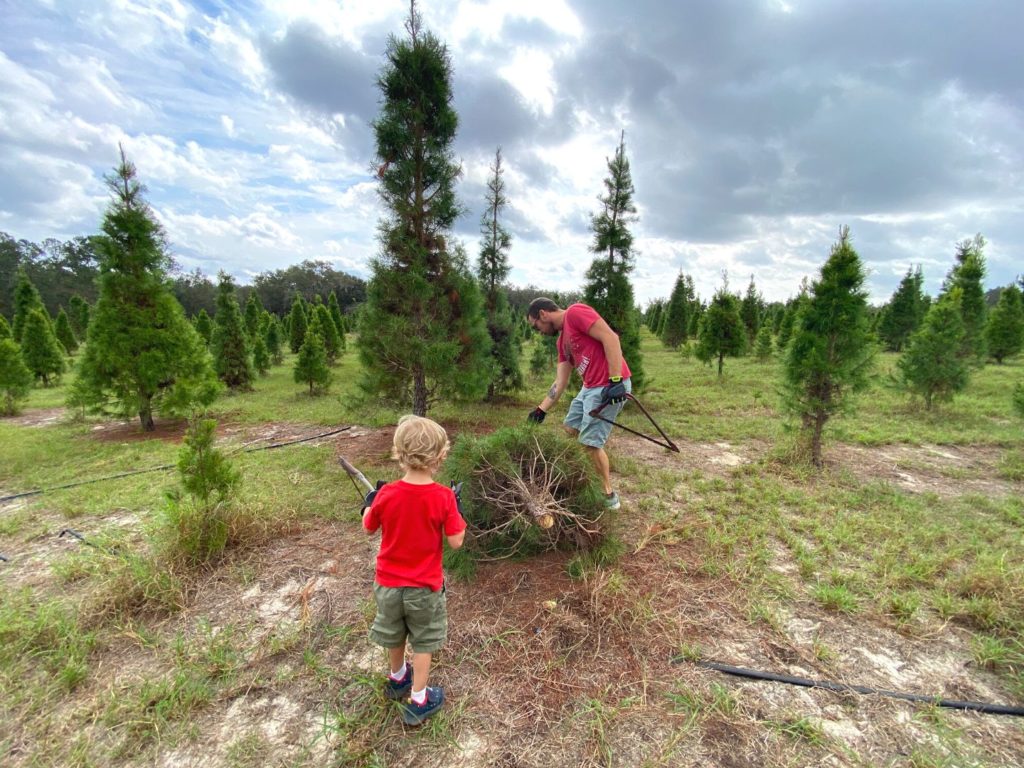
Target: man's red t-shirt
584, 352
413, 520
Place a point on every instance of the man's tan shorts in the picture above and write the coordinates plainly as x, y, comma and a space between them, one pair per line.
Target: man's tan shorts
417, 613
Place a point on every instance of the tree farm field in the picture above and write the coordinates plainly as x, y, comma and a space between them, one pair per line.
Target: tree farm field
898, 566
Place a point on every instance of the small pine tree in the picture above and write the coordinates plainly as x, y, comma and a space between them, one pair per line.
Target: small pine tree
142, 353
1018, 399
204, 326
43, 354
904, 312
311, 365
5, 329
932, 366
763, 344
78, 314
1004, 333
721, 329
832, 349
751, 309
197, 529
15, 377
328, 332
26, 299
62, 329
231, 351
676, 321
273, 341
967, 276
297, 323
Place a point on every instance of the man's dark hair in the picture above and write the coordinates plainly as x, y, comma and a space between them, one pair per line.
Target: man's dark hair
541, 303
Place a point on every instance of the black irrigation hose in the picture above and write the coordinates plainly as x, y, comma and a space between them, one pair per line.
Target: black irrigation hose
974, 706
158, 469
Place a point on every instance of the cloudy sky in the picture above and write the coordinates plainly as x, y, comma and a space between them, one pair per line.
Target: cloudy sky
755, 128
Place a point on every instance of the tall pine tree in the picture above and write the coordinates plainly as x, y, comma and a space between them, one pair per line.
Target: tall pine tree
422, 334
832, 349
608, 289
62, 329
142, 353
492, 269
339, 321
253, 311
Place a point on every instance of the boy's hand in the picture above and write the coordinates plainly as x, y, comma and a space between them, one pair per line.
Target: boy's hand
536, 416
371, 496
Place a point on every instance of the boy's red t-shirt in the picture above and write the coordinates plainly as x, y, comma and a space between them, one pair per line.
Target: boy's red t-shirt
583, 351
413, 520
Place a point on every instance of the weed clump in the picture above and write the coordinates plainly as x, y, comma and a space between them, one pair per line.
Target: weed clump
526, 491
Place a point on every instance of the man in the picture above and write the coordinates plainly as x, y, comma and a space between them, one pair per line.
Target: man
586, 343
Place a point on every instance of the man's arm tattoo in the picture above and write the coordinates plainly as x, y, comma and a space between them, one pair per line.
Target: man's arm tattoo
553, 392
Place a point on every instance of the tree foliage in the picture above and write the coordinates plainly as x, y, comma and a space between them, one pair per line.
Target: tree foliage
967, 277
142, 353
15, 377
608, 289
932, 365
63, 332
40, 348
1004, 332
721, 330
232, 352
492, 270
832, 350
328, 332
298, 320
26, 300
904, 312
78, 314
675, 325
204, 326
751, 309
311, 364
422, 334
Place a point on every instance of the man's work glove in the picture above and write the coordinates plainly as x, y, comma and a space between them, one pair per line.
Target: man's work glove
371, 496
536, 415
614, 392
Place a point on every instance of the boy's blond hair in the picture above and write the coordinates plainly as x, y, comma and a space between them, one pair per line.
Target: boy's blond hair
419, 443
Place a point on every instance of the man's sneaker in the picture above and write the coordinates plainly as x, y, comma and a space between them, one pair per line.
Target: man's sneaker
611, 500
399, 689
414, 714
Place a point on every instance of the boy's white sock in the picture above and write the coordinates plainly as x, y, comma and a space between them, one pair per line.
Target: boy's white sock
397, 676
419, 697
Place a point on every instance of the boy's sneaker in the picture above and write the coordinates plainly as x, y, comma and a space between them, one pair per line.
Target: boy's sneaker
414, 714
611, 500
399, 689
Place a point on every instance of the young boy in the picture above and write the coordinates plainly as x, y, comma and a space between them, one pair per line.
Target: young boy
413, 514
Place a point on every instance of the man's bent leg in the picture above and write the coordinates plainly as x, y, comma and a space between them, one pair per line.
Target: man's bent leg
600, 460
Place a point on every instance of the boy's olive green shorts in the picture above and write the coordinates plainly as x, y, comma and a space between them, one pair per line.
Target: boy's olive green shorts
417, 613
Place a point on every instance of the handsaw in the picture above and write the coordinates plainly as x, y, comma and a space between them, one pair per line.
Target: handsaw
596, 414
